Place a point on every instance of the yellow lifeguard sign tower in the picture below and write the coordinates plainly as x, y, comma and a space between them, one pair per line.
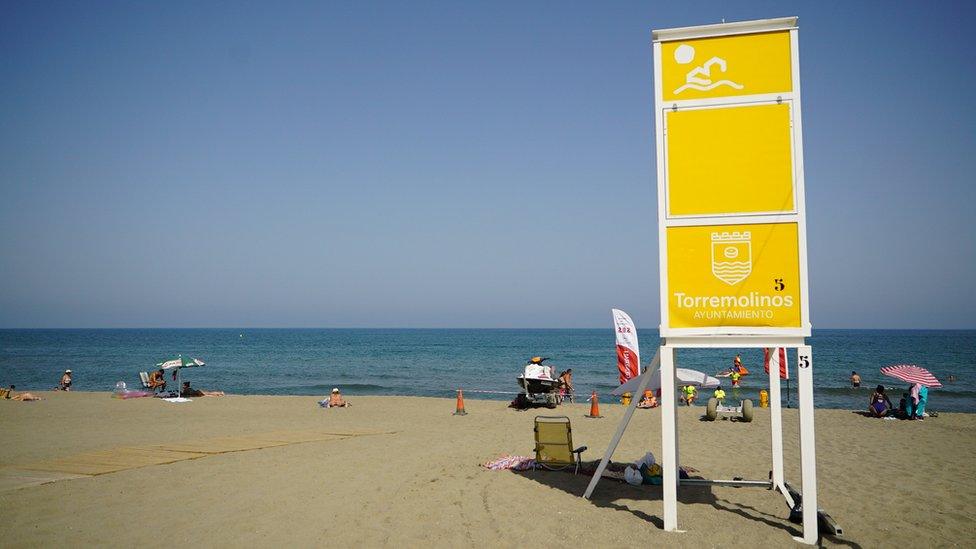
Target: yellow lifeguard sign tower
732, 228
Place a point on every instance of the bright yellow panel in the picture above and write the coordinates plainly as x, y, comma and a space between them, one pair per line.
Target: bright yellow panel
730, 160
734, 275
726, 66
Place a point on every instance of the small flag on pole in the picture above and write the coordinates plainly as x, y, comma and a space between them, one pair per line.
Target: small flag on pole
776, 358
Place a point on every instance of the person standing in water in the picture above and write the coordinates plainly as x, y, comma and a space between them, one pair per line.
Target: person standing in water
734, 376
855, 380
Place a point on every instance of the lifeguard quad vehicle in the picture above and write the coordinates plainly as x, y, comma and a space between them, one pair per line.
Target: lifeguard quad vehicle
539, 384
716, 407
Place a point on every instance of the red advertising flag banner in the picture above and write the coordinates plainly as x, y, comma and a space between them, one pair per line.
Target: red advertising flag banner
628, 353
776, 359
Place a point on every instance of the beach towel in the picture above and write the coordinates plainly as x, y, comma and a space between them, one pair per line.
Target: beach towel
515, 463
177, 399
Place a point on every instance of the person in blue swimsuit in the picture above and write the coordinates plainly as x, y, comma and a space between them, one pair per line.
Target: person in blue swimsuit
880, 403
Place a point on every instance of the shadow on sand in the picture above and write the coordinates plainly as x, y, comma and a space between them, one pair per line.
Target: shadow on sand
609, 491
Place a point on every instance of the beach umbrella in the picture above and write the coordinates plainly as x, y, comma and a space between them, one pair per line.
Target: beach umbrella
911, 374
178, 364
685, 376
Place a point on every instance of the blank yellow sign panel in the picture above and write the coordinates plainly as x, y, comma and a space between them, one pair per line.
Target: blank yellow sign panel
726, 66
730, 160
734, 275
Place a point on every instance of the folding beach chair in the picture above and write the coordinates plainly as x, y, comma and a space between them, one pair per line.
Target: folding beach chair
144, 378
554, 444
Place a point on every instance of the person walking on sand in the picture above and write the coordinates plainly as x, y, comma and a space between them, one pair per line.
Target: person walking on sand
65, 383
855, 380
690, 394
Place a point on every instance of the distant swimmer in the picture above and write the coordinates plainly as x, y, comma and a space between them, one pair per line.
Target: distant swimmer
952, 378
855, 380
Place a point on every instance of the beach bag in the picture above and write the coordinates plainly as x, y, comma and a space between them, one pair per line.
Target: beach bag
633, 476
648, 460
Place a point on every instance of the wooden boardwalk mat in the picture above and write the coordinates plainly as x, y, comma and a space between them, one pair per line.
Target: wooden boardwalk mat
12, 479
221, 445
110, 461
131, 457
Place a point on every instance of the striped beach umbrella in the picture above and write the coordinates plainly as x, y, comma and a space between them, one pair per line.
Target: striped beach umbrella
180, 362
177, 364
912, 374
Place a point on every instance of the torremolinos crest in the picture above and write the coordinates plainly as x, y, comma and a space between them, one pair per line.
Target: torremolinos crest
731, 256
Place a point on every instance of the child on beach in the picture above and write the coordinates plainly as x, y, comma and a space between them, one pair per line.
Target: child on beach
648, 400
734, 376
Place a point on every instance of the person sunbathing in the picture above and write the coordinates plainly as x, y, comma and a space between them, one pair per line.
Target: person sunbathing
648, 400
187, 391
880, 403
336, 400
22, 397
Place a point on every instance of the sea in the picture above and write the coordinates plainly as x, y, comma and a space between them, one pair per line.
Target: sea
484, 362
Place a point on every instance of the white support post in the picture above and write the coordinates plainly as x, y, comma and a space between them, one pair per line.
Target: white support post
645, 379
776, 425
669, 440
677, 432
808, 451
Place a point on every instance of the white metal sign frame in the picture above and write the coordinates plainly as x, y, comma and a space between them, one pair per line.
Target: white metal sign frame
733, 336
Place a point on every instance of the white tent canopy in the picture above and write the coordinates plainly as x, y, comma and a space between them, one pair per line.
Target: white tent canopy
684, 376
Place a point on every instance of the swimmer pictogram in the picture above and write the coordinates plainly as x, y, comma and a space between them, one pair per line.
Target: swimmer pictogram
699, 78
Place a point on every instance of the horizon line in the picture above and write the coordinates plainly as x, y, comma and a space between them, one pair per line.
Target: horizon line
411, 328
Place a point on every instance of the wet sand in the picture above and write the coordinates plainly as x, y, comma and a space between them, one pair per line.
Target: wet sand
404, 471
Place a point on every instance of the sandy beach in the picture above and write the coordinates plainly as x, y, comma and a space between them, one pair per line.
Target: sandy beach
405, 471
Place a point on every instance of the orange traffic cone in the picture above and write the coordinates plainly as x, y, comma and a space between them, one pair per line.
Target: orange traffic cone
594, 406
460, 404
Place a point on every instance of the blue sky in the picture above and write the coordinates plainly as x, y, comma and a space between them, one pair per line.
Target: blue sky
445, 164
